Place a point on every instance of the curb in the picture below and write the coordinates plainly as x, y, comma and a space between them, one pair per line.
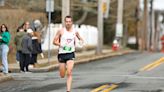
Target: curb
4, 77
102, 57
83, 60
79, 60
7, 77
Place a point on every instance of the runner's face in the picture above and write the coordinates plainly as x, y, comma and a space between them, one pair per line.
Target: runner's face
68, 22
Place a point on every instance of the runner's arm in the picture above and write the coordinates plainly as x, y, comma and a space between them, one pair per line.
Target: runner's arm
56, 40
79, 37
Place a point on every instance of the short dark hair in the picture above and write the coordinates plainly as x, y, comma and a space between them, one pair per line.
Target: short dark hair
68, 16
20, 27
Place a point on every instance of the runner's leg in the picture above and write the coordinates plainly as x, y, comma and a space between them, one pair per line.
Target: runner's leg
62, 69
70, 65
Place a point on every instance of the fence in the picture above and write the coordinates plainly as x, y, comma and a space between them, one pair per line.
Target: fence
89, 34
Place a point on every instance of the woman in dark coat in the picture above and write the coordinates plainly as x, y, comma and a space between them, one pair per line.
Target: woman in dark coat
36, 49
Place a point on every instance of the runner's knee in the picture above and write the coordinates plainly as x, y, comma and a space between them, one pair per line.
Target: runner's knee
62, 75
69, 73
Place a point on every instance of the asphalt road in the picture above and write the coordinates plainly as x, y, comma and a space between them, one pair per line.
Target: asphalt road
137, 72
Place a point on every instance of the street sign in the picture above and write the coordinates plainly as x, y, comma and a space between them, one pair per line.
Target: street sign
49, 5
49, 9
119, 30
105, 8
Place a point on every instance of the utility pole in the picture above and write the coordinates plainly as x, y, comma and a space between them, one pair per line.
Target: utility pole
119, 25
152, 26
138, 16
100, 28
65, 9
145, 28
103, 12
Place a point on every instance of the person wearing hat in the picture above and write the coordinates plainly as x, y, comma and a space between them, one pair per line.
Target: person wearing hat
26, 50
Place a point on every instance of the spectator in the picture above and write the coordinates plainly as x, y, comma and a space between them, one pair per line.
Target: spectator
4, 47
18, 40
37, 26
26, 25
36, 49
26, 50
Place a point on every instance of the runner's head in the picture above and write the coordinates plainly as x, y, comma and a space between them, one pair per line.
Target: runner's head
68, 22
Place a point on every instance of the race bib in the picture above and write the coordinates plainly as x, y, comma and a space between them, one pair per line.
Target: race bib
67, 48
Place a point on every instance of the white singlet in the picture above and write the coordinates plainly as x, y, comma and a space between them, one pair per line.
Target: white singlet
67, 41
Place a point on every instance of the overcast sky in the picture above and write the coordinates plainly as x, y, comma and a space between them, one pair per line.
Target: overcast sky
158, 4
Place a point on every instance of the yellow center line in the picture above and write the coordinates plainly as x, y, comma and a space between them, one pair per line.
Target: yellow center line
152, 65
156, 65
100, 88
113, 86
108, 88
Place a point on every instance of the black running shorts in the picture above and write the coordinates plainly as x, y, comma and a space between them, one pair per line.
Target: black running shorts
64, 57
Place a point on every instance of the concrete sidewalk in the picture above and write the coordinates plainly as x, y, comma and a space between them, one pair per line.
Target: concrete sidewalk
81, 57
